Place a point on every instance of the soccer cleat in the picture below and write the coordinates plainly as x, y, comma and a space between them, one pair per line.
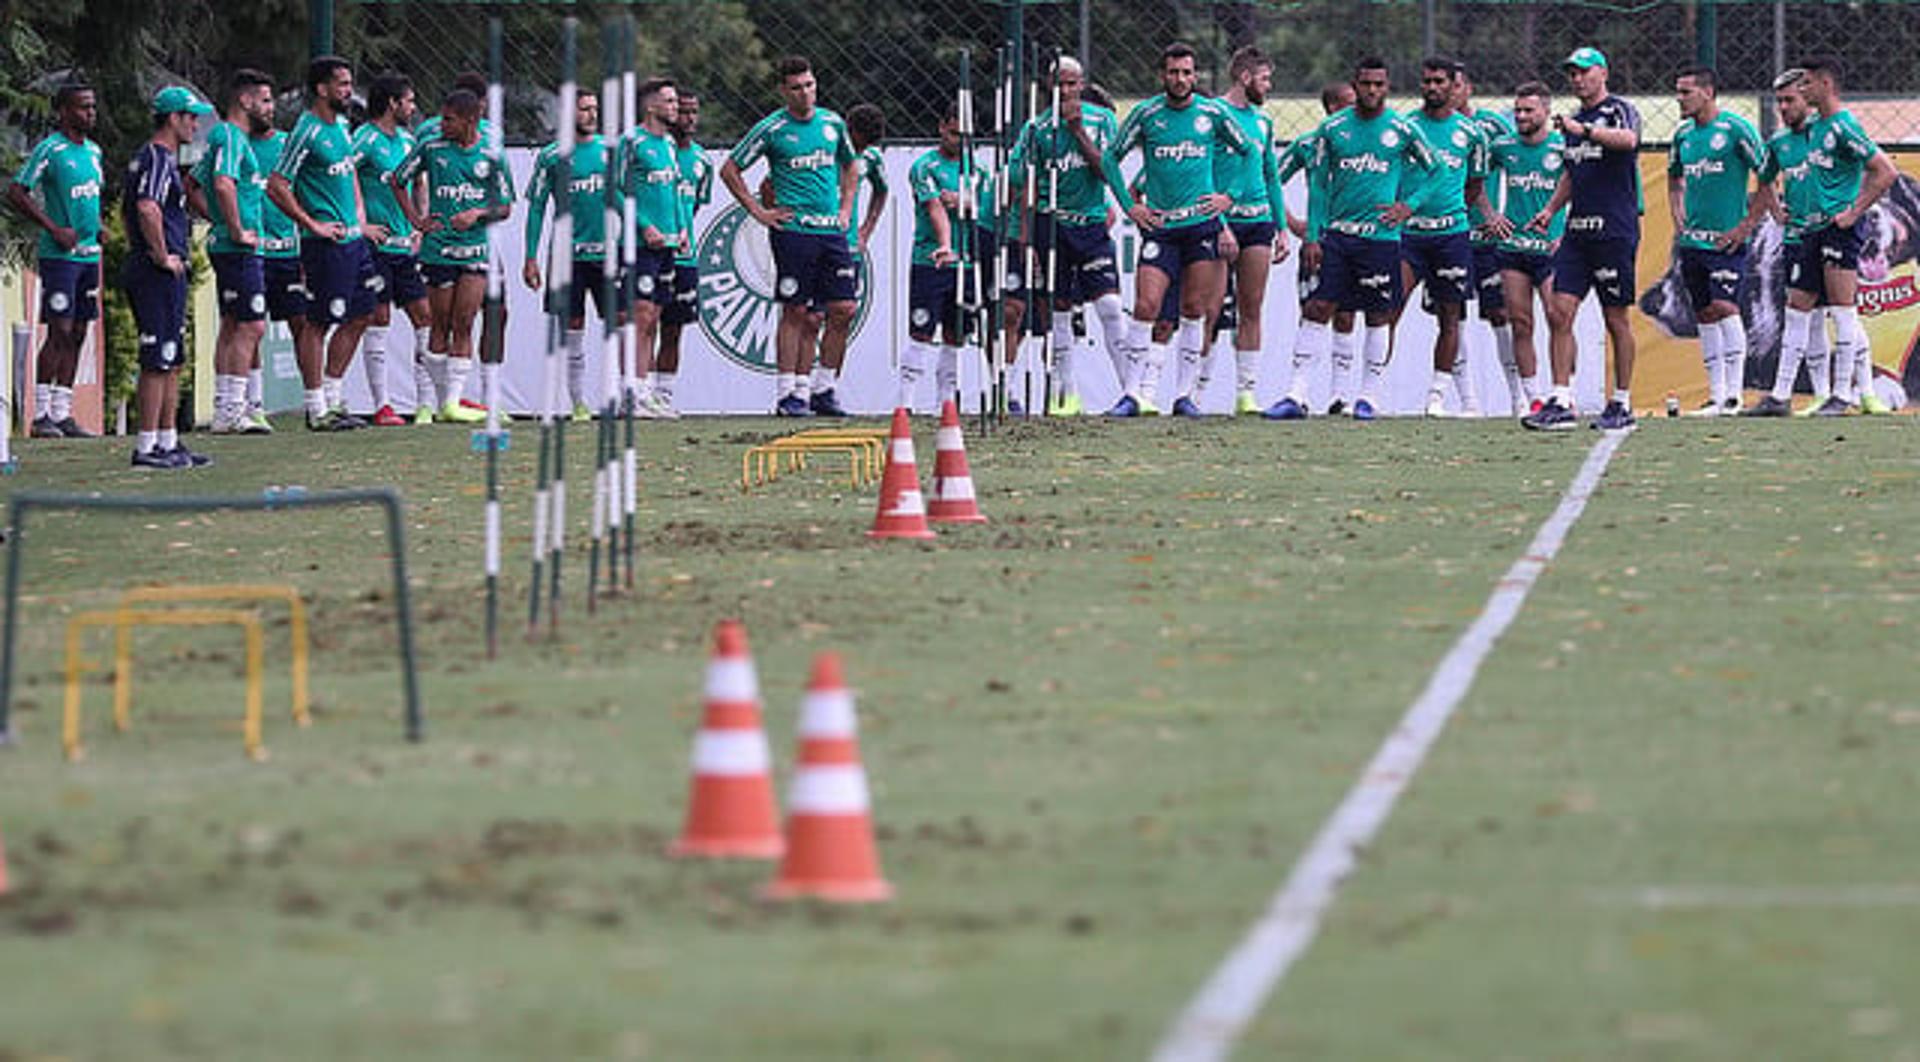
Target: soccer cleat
1614, 417
423, 414
1070, 406
468, 403
662, 407
1363, 410
385, 417
332, 420
582, 413
1872, 404
1552, 416
1337, 407
1245, 405
1437, 406
256, 422
1186, 407
1535, 405
228, 423
185, 458
1708, 408
45, 428
788, 406
1834, 406
1471, 411
154, 459
71, 428
1147, 408
1015, 409
1768, 406
1730, 407
461, 413
823, 404
1286, 409
1128, 406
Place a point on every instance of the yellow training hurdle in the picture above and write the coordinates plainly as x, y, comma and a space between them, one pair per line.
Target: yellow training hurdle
296, 630
122, 620
864, 448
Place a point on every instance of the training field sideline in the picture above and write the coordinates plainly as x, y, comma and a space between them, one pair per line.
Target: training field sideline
1671, 817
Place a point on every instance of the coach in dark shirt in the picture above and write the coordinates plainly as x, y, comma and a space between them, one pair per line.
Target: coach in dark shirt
153, 207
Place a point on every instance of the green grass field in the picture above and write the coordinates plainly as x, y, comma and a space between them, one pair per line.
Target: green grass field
1099, 730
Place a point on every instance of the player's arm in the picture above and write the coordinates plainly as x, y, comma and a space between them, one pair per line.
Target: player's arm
731, 176
1880, 176
20, 197
1621, 131
146, 206
1562, 194
1491, 220
539, 191
1130, 134
500, 198
876, 206
401, 179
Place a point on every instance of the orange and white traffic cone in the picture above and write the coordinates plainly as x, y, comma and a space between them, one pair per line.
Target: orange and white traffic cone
730, 812
952, 499
903, 512
830, 851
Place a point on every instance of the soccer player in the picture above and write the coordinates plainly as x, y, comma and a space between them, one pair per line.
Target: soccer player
810, 161
1713, 155
1850, 174
1073, 224
1177, 133
468, 189
1601, 185
1528, 163
1352, 243
585, 176
1254, 219
315, 184
648, 172
694, 190
866, 125
153, 208
933, 279
64, 171
1487, 283
1436, 249
285, 279
229, 187
475, 82
1800, 340
1334, 96
378, 147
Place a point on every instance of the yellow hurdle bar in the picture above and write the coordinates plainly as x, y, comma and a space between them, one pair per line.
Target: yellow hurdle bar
865, 449
125, 618
297, 629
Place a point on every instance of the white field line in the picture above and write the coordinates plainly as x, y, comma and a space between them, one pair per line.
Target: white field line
1214, 1019
1757, 897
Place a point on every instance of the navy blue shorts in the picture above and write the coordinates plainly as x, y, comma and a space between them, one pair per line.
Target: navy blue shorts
340, 280
1171, 251
1830, 248
651, 278
1801, 277
1537, 267
398, 276
1088, 267
1442, 264
933, 301
1253, 233
811, 267
159, 301
240, 284
1712, 276
69, 290
1488, 290
442, 275
1604, 267
1358, 274
286, 288
685, 307
590, 282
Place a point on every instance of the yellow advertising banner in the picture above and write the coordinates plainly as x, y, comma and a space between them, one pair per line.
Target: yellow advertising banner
1668, 347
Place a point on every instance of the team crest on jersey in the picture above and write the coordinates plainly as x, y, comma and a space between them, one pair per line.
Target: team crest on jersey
1389, 139
1719, 141
738, 311
1551, 162
482, 168
830, 134
1830, 141
1203, 124
1459, 138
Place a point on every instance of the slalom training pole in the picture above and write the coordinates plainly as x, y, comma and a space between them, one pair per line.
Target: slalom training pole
1030, 228
609, 316
966, 212
560, 262
1044, 313
630, 466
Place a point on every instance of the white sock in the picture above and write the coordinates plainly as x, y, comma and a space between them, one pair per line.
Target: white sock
489, 377
1437, 387
577, 366
946, 373
334, 387
1191, 341
256, 387
1733, 357
1819, 355
1345, 344
1623, 397
783, 384
1462, 375
824, 379
1563, 395
913, 365
229, 396
803, 385
149, 441
663, 385
169, 439
1311, 340
1378, 350
1139, 336
62, 401
456, 388
1710, 356
1246, 369
43, 401
1534, 386
1847, 341
1794, 332
1152, 364
373, 349
1063, 344
316, 399
1113, 326
424, 396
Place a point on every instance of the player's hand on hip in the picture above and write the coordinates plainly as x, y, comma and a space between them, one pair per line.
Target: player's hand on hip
1143, 217
65, 237
1395, 213
1310, 256
1280, 248
530, 274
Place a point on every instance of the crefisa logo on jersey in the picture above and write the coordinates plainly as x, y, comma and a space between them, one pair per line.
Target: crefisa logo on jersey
739, 313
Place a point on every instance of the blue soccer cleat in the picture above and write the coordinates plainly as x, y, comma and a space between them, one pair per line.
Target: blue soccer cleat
1285, 409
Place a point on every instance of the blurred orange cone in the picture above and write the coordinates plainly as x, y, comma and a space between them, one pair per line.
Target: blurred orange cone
731, 810
903, 512
952, 499
830, 851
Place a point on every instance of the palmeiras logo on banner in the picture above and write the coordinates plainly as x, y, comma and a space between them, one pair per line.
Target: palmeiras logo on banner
738, 313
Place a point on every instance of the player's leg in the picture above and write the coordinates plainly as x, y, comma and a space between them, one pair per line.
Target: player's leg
1250, 272
683, 311
652, 290
466, 295
1852, 353
1490, 304
1520, 358
839, 283
1572, 279
73, 292
345, 341
1322, 292
1376, 294
1203, 282
322, 263
242, 292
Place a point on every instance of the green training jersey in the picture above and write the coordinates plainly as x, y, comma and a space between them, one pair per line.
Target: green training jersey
804, 157
1528, 175
1296, 157
377, 153
279, 236
230, 154
318, 160
586, 176
1840, 150
429, 127
870, 174
649, 174
458, 179
695, 189
1251, 179
1715, 161
1356, 172
65, 175
1494, 125
1177, 146
1052, 148
1438, 196
1786, 159
932, 174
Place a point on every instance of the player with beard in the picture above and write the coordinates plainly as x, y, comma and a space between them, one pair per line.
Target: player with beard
64, 171
229, 187
585, 176
1334, 96
379, 145
1798, 200
1527, 163
1255, 239
1487, 282
648, 173
694, 190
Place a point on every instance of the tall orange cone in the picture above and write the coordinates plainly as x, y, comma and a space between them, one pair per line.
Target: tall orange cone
952, 499
903, 512
730, 811
830, 852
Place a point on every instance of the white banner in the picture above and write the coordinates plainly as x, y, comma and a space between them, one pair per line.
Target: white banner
727, 361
